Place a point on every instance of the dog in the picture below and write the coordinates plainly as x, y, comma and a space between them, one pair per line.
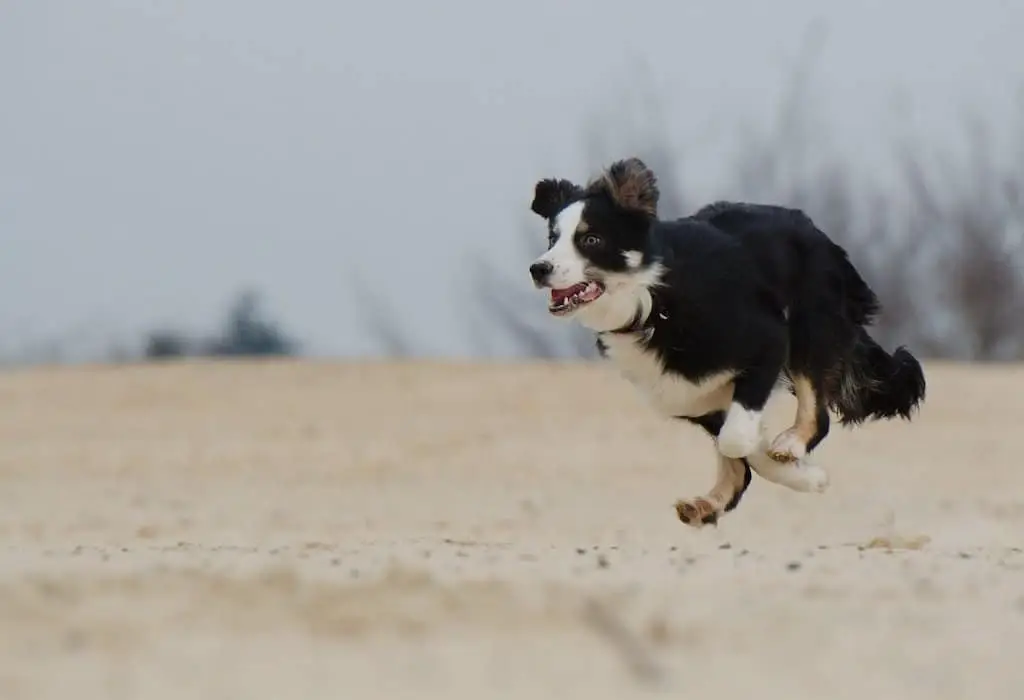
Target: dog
710, 314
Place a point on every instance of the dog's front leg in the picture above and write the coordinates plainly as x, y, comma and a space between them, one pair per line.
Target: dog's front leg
741, 434
730, 485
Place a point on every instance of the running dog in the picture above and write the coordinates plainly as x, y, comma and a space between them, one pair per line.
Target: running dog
710, 314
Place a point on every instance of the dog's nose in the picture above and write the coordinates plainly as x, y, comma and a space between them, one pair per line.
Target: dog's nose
540, 271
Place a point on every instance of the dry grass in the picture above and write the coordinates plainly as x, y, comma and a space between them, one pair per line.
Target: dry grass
294, 529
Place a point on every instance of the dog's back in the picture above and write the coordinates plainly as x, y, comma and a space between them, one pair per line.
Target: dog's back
787, 246
830, 307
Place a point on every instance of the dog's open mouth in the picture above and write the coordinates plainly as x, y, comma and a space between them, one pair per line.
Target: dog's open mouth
565, 300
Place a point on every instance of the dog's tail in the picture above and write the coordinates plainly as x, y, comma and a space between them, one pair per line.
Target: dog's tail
869, 383
872, 384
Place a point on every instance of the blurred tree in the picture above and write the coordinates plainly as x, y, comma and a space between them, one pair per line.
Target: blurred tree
164, 344
246, 333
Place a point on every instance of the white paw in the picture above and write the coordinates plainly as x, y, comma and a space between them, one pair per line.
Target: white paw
798, 475
812, 479
787, 447
741, 435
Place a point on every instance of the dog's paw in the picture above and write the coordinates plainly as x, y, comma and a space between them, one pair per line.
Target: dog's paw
698, 512
798, 475
815, 478
741, 435
787, 447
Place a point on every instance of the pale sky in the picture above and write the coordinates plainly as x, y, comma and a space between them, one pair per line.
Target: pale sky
155, 157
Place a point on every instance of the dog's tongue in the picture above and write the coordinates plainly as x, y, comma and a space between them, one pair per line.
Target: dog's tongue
560, 295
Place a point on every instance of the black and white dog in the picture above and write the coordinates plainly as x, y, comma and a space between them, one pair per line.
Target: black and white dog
710, 314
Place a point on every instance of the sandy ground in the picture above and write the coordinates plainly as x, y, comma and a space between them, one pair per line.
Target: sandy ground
427, 530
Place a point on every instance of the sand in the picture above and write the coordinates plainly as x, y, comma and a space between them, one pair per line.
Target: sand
430, 530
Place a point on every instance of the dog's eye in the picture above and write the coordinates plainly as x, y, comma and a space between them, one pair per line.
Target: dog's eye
591, 240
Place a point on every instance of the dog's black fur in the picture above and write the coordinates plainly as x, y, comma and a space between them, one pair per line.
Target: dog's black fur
829, 308
755, 289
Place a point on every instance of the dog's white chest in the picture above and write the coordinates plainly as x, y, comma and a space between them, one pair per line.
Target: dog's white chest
670, 394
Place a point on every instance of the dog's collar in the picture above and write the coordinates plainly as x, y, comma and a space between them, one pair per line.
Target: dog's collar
644, 324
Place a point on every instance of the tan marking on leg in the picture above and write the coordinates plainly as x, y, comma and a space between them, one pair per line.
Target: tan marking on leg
707, 509
791, 444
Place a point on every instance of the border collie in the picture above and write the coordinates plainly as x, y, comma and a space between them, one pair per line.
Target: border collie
710, 314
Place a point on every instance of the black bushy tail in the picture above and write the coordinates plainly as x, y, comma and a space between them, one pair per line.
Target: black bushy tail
876, 385
872, 384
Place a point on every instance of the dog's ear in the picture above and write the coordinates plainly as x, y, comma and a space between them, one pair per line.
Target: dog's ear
631, 185
550, 196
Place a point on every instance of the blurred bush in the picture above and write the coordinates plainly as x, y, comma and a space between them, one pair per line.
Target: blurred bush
245, 333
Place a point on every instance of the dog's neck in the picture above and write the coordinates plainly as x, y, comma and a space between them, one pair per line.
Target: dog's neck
618, 311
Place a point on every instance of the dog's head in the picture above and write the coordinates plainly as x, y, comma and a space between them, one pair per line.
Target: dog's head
597, 262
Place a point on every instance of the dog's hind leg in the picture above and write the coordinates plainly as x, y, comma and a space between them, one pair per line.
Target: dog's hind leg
797, 475
821, 331
731, 483
810, 426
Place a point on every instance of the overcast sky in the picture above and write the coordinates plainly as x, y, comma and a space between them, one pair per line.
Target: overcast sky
155, 157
